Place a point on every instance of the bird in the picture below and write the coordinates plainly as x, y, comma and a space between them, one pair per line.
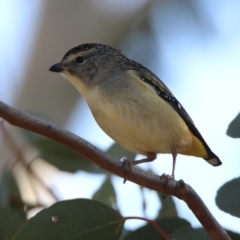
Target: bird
132, 105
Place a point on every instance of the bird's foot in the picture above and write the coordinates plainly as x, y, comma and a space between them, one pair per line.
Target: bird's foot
127, 166
166, 178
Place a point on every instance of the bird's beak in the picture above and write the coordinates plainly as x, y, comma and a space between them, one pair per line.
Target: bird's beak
58, 67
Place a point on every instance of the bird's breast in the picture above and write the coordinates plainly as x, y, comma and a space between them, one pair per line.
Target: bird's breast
141, 123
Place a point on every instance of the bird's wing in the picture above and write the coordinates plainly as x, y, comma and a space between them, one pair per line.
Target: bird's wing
162, 91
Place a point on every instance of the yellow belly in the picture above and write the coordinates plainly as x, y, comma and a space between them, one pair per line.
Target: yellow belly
138, 119
141, 126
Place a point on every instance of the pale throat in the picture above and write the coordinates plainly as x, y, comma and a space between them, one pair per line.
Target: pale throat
77, 83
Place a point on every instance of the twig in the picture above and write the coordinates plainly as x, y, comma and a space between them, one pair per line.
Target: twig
153, 223
176, 188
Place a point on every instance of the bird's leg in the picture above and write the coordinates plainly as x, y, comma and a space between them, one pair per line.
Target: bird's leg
128, 164
150, 157
167, 177
174, 155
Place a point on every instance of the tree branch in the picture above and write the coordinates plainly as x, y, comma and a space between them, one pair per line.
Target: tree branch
171, 187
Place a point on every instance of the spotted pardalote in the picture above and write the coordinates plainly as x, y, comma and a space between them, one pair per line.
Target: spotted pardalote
132, 105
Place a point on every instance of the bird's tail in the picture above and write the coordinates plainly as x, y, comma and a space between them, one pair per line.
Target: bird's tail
213, 159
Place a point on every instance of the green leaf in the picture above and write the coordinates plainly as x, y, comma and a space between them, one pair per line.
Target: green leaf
4, 187
168, 209
73, 219
234, 127
144, 203
61, 156
106, 194
8, 188
228, 197
233, 235
190, 233
64, 158
10, 221
118, 152
168, 225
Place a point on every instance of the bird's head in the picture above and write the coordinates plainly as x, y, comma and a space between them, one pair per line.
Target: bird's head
90, 62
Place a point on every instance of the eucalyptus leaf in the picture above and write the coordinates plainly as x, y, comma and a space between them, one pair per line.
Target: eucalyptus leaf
233, 235
191, 233
4, 187
8, 188
228, 197
234, 127
144, 202
61, 156
65, 158
106, 194
11, 219
119, 152
168, 209
73, 219
168, 225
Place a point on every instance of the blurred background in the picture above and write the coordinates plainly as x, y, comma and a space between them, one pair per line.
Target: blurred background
193, 46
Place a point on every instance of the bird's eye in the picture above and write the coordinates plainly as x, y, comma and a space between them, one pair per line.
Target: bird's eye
79, 59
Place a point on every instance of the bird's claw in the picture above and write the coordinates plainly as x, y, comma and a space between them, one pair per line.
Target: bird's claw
166, 178
127, 166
